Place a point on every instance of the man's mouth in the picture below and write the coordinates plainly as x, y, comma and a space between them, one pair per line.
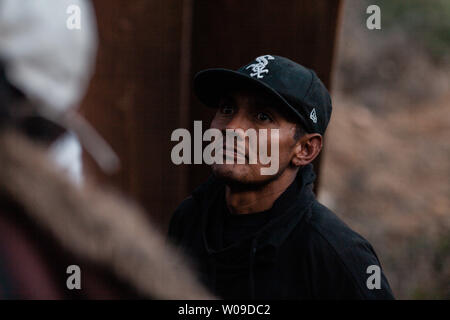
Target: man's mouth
233, 153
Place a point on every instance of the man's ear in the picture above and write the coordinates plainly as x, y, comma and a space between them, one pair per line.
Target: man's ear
307, 149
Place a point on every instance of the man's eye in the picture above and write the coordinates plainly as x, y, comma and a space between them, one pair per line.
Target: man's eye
227, 109
263, 117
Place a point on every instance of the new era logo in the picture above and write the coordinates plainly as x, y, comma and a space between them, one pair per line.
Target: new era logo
313, 115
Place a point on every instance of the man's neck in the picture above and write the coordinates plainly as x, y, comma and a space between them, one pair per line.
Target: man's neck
241, 201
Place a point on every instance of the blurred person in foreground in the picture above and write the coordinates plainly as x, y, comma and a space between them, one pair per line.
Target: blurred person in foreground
49, 218
256, 236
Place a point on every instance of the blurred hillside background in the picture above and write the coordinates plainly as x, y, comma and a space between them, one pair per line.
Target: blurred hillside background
386, 167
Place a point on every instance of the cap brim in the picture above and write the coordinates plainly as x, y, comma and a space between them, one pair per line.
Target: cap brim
211, 84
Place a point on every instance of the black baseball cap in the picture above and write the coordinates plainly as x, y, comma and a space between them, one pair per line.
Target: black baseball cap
296, 87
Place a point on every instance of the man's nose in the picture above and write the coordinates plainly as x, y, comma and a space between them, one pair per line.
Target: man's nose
238, 121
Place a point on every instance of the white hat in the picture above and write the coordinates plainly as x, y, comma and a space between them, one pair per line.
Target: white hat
48, 48
46, 58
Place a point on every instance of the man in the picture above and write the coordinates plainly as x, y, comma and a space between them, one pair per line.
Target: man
255, 236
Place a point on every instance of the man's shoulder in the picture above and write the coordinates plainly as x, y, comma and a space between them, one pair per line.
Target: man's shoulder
203, 193
328, 227
186, 218
342, 251
187, 205
184, 209
332, 236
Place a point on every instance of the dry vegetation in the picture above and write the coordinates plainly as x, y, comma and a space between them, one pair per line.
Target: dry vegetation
386, 167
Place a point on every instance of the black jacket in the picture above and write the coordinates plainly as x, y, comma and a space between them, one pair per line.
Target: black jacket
304, 252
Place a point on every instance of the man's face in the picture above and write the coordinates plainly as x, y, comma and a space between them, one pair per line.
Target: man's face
252, 110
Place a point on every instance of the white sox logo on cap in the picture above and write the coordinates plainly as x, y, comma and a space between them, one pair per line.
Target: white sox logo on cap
259, 68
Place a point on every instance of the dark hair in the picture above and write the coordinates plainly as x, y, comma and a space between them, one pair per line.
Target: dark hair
299, 132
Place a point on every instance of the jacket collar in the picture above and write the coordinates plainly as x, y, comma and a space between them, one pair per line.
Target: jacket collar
287, 212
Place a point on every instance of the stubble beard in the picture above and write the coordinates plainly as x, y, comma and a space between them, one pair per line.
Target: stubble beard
242, 181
